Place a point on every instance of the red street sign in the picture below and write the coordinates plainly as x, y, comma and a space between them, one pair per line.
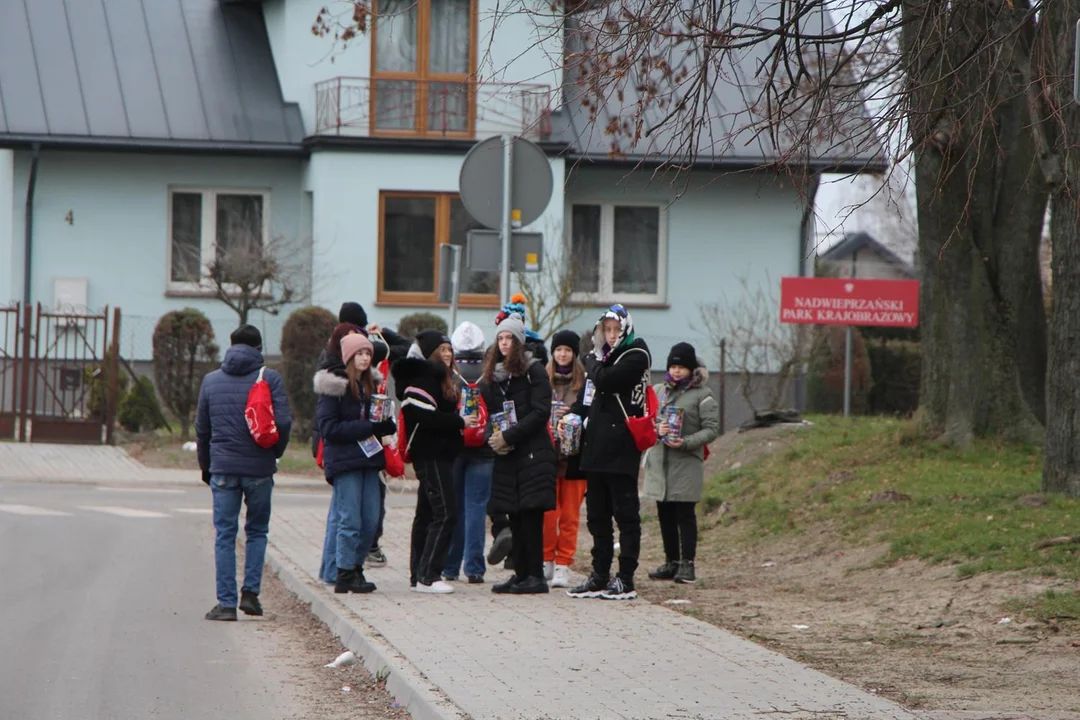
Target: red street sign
849, 301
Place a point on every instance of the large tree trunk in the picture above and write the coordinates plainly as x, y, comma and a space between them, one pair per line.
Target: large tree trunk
981, 201
1061, 472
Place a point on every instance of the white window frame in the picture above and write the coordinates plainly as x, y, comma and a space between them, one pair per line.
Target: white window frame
606, 294
208, 230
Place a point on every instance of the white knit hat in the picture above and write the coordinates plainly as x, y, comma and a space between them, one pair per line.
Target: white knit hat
467, 337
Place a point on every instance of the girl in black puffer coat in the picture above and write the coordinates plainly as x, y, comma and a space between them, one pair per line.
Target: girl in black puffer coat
352, 457
523, 481
429, 397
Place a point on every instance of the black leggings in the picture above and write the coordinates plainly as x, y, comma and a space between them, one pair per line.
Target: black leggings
678, 520
527, 527
433, 525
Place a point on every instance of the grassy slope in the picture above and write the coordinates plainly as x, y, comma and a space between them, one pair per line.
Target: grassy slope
868, 477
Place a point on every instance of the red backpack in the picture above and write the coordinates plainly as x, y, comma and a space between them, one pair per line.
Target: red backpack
259, 413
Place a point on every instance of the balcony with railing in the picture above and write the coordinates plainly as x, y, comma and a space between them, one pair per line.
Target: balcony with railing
431, 108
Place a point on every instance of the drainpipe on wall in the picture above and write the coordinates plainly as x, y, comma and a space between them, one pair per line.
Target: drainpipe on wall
806, 242
28, 239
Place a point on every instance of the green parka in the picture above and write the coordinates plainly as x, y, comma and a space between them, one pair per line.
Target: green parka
678, 474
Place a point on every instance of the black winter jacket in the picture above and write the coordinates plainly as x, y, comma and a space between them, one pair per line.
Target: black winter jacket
607, 445
431, 421
523, 479
342, 422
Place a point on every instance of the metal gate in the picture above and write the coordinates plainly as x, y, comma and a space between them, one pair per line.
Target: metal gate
58, 375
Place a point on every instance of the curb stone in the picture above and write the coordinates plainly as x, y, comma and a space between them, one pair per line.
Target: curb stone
410, 688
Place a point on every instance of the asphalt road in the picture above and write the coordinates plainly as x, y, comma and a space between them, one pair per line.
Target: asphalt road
102, 597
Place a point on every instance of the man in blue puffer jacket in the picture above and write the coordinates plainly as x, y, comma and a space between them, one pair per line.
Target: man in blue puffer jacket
237, 469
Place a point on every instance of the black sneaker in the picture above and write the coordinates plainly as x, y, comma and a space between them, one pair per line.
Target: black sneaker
501, 547
530, 586
685, 575
476, 579
222, 613
593, 587
506, 585
667, 571
249, 603
619, 589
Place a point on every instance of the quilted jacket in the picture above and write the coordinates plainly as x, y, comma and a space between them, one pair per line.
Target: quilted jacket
225, 446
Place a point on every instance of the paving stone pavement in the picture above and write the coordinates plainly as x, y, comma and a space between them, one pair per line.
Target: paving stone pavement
550, 656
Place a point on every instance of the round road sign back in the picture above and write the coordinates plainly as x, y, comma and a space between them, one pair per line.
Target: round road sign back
481, 181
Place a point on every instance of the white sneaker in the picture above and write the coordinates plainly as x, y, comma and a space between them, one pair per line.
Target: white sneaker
561, 578
436, 588
549, 570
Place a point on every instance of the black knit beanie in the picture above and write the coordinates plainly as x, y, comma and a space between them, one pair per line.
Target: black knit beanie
430, 340
247, 335
352, 312
682, 354
567, 338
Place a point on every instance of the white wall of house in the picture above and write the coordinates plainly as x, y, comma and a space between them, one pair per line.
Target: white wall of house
515, 43
105, 218
720, 236
346, 188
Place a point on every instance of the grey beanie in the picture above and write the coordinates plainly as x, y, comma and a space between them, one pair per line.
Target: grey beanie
513, 325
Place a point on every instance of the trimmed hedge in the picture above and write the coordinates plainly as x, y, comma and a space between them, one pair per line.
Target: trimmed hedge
303, 338
414, 323
897, 373
184, 351
140, 410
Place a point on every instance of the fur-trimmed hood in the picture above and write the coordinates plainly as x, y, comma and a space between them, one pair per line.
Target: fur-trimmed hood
335, 384
699, 377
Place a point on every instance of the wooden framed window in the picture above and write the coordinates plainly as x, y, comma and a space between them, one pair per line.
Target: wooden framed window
204, 223
619, 253
423, 58
412, 226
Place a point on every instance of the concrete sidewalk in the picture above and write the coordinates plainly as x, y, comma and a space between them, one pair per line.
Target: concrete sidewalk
477, 655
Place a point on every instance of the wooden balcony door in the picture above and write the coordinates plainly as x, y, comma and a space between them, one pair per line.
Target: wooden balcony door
423, 63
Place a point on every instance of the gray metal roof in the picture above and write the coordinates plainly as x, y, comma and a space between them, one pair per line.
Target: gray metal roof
853, 242
194, 74
728, 138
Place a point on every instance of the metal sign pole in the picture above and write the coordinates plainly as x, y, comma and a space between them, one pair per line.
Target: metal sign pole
508, 164
455, 283
847, 371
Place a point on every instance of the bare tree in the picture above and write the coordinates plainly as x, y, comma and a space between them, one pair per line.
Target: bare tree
550, 293
976, 93
249, 273
767, 354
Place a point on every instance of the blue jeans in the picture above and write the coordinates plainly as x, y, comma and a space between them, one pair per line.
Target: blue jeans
357, 506
328, 568
472, 486
229, 491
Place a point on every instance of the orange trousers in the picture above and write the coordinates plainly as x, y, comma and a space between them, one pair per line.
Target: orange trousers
561, 524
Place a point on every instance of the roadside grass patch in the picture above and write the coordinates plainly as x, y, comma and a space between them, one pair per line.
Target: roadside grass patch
868, 478
1054, 604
